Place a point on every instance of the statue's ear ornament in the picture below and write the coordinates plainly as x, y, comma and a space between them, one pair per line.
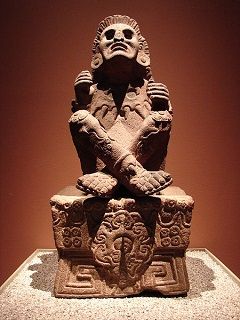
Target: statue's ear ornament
97, 60
143, 59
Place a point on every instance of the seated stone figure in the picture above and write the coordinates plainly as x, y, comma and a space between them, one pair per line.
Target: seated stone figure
123, 229
122, 117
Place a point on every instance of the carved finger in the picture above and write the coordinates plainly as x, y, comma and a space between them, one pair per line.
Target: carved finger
159, 92
157, 84
84, 77
157, 88
159, 96
83, 83
84, 73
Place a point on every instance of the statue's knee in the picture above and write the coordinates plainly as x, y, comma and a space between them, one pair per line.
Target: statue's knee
79, 116
84, 121
157, 120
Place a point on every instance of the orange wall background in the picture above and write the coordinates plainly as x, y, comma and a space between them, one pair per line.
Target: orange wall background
194, 48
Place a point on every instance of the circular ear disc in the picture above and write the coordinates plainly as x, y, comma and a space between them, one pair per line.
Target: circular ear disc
143, 59
97, 60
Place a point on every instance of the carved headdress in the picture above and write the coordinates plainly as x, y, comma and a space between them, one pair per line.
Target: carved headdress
143, 57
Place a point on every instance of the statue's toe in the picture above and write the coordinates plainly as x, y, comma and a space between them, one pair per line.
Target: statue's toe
98, 184
150, 182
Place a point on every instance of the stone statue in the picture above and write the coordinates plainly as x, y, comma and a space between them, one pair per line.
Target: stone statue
122, 229
122, 117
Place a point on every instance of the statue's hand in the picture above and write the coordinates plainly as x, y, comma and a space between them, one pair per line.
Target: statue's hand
159, 95
83, 87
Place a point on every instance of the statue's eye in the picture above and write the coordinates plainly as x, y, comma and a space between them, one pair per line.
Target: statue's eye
109, 34
128, 34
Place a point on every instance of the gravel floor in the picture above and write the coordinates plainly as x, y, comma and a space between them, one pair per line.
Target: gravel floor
213, 295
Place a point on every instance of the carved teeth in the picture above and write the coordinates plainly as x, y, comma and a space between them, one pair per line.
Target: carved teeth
118, 46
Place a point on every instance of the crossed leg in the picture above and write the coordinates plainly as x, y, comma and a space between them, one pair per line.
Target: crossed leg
121, 162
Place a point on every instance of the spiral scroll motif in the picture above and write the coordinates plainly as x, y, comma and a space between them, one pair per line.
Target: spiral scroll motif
174, 220
68, 217
123, 245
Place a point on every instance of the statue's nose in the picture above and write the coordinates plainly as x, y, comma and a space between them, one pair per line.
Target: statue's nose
118, 36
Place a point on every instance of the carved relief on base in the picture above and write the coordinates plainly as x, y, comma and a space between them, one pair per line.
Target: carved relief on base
78, 277
174, 221
68, 217
119, 247
123, 246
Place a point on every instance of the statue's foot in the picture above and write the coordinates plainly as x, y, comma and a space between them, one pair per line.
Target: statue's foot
150, 182
140, 181
99, 184
146, 183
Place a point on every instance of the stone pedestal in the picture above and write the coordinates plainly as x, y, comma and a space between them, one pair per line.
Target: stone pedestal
120, 247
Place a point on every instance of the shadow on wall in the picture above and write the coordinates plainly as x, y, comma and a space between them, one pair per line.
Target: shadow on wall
43, 278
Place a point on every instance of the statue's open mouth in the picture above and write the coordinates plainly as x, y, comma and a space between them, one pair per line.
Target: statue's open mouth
119, 46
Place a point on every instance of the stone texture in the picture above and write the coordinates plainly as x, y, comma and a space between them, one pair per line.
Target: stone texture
122, 117
123, 230
119, 247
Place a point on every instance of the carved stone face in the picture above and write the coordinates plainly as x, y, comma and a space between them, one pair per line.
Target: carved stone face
119, 39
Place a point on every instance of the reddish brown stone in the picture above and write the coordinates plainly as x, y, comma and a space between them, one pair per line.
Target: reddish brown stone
122, 232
